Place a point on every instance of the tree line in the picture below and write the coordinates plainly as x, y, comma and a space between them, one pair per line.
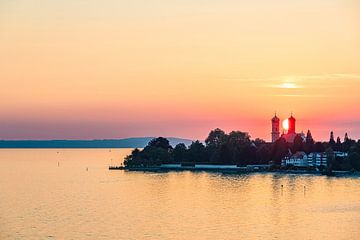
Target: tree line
239, 149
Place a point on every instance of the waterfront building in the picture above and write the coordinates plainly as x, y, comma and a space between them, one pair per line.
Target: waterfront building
299, 159
338, 154
316, 159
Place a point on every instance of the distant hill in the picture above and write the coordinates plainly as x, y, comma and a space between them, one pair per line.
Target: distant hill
106, 143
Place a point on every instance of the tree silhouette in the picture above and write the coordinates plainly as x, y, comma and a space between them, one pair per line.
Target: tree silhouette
338, 145
319, 147
179, 153
196, 152
215, 146
332, 140
354, 159
239, 145
216, 138
298, 144
309, 143
279, 151
160, 142
263, 154
330, 160
309, 138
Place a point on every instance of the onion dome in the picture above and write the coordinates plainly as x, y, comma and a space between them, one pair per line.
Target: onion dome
275, 119
292, 118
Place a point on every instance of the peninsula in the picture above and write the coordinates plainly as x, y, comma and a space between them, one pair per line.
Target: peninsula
237, 151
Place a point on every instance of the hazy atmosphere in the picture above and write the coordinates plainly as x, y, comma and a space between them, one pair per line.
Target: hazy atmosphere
80, 70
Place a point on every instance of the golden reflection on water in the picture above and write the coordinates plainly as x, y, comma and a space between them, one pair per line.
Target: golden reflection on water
70, 194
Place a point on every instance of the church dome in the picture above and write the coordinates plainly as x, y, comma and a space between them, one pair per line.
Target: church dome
292, 118
275, 119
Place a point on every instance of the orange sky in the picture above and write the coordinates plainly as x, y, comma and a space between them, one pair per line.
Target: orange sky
85, 69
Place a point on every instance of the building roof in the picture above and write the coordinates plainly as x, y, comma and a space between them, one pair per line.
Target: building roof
289, 137
299, 155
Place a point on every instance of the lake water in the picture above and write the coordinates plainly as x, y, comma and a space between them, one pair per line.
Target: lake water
70, 194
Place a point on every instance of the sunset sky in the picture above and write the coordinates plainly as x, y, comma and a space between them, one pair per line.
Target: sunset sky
81, 69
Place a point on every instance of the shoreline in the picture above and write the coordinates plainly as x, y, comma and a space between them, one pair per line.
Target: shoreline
234, 171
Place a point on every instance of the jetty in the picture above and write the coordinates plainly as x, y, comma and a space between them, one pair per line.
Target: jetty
116, 167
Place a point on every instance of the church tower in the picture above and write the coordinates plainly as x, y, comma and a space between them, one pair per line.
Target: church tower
292, 122
275, 134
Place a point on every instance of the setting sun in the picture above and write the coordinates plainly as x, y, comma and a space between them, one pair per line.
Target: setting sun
285, 124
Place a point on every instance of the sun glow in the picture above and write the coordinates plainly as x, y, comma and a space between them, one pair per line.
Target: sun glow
285, 124
289, 85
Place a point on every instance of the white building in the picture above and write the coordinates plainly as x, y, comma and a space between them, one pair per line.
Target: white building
315, 159
299, 159
340, 154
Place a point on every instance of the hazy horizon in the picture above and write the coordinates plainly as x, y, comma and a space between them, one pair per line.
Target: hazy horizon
78, 139
85, 70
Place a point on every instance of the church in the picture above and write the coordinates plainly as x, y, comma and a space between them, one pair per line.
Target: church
289, 129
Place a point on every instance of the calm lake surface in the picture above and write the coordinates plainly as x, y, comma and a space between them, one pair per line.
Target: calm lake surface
40, 199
